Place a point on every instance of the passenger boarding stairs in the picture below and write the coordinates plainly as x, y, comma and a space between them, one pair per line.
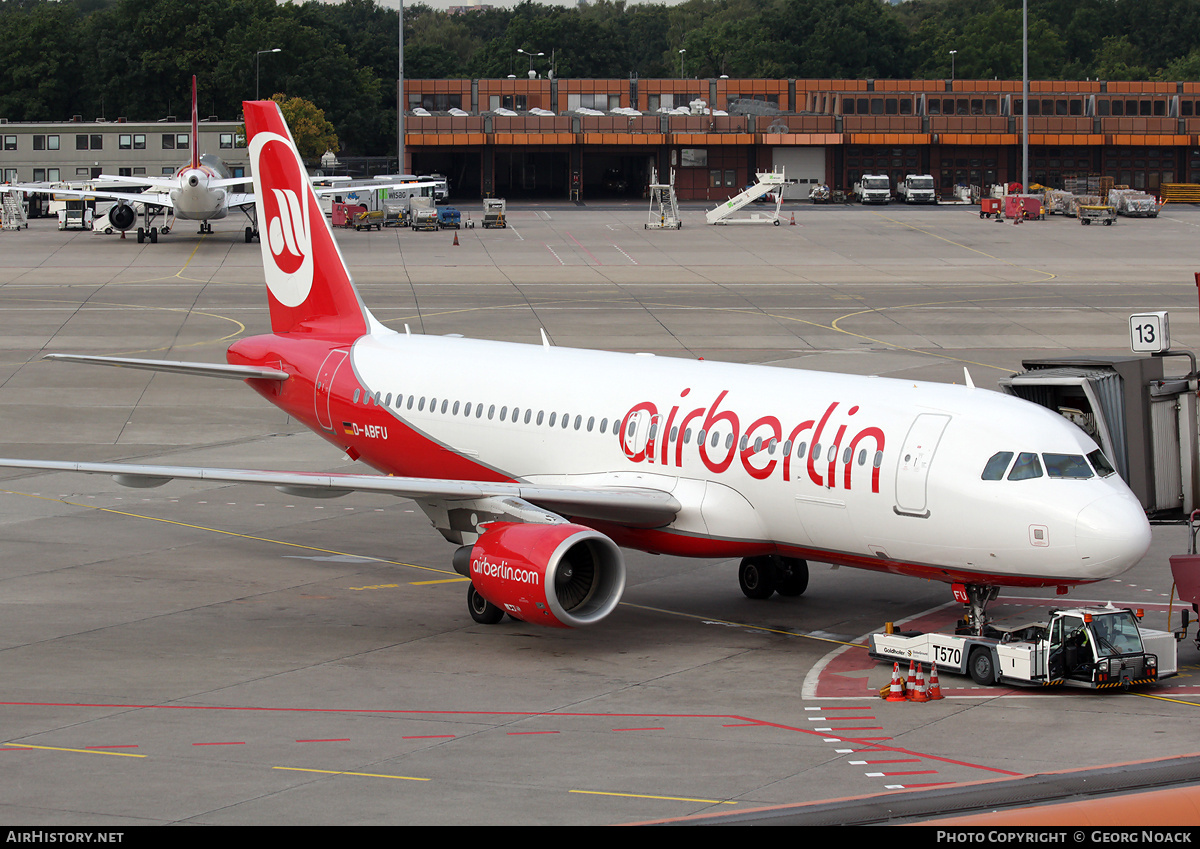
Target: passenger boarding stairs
664, 209
12, 216
766, 182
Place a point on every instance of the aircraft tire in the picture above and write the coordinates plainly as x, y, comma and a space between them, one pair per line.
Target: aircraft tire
793, 577
981, 667
154, 235
141, 235
757, 577
165, 230
249, 235
482, 610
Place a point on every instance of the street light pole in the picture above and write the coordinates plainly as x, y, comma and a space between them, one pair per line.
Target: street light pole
256, 64
952, 52
682, 50
400, 98
530, 55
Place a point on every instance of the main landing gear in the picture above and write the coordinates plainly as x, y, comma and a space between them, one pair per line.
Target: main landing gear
762, 576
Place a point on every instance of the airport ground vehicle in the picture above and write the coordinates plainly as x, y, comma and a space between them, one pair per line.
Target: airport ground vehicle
917, 188
873, 188
1090, 647
493, 212
449, 218
369, 218
76, 215
423, 214
1098, 213
439, 188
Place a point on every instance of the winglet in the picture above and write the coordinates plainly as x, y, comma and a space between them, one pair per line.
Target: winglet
545, 340
967, 377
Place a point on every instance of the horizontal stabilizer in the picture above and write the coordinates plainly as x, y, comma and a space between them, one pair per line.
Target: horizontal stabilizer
230, 372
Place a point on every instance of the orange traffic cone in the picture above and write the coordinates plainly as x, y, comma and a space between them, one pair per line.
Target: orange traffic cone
456, 238
793, 221
896, 691
910, 685
935, 689
919, 693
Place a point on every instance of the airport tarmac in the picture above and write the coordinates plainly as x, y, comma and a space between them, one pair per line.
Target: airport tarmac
210, 654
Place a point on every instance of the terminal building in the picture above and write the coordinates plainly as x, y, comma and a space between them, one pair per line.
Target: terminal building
76, 151
520, 137
963, 132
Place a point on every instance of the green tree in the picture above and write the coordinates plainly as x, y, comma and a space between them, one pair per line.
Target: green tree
313, 133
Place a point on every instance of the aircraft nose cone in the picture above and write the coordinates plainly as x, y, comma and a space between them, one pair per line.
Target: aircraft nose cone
1111, 535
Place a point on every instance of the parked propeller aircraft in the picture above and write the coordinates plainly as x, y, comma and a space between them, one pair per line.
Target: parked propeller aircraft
540, 462
202, 190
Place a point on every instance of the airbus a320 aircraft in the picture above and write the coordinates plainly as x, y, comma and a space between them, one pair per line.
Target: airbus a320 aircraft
542, 462
202, 190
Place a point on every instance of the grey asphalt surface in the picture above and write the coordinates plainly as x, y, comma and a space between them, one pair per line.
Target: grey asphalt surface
210, 654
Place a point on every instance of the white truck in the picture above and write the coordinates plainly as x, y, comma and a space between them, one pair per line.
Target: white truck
917, 188
1096, 648
874, 188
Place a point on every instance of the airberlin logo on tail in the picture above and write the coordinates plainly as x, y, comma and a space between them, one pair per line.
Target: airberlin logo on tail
285, 230
283, 207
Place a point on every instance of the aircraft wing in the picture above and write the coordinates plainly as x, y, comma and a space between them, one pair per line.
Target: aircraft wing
162, 183
382, 184
636, 506
152, 198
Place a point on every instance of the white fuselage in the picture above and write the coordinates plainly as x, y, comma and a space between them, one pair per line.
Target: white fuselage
897, 484
195, 200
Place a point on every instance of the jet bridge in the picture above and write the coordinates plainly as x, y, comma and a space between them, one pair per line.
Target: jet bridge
766, 182
1144, 421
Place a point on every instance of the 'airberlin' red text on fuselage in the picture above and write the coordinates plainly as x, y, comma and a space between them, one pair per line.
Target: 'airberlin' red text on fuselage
663, 442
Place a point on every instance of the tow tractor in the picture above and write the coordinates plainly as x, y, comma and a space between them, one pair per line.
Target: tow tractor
1095, 648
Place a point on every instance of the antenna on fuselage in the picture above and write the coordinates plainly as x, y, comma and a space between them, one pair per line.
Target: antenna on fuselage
545, 340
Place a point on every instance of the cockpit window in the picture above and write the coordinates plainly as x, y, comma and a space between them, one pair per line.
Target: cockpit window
1100, 464
1067, 466
1027, 466
994, 470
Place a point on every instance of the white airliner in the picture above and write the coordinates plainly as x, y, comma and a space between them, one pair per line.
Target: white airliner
202, 190
542, 462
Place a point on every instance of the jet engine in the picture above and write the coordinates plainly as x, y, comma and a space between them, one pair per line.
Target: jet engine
560, 575
122, 216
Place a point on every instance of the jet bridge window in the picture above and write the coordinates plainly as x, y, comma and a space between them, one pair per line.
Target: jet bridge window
1027, 466
1067, 466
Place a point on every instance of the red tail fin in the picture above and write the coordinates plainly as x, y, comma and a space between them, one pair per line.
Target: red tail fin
308, 286
195, 127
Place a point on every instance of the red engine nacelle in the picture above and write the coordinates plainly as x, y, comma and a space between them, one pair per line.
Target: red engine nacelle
563, 576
